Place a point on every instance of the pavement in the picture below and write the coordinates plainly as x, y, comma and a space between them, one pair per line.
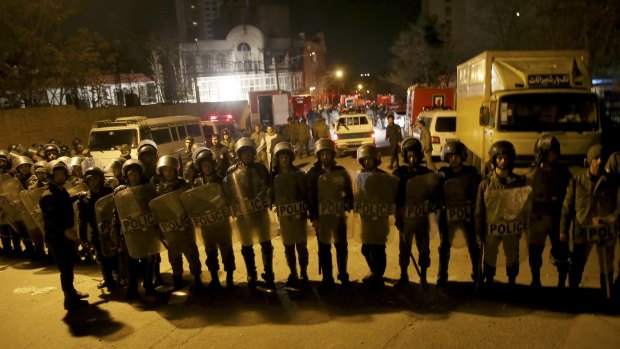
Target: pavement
457, 316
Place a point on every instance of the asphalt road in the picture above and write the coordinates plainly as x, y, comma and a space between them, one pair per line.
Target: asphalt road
32, 315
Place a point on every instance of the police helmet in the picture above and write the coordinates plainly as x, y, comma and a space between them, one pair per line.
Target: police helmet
324, 144
202, 154
147, 145
65, 150
503, 148
245, 143
39, 166
368, 151
54, 165
167, 161
116, 163
51, 147
76, 161
5, 155
414, 145
225, 132
283, 147
91, 171
21, 160
12, 147
544, 145
76, 141
132, 164
453, 147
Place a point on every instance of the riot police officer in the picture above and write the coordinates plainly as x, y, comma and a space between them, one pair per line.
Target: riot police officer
5, 162
500, 187
548, 179
460, 186
115, 168
58, 217
77, 175
148, 155
94, 178
418, 196
325, 151
51, 151
222, 237
185, 154
612, 167
249, 180
290, 195
374, 236
39, 178
168, 169
221, 156
133, 171
591, 208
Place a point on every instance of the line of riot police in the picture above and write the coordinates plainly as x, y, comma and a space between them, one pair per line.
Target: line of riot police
152, 208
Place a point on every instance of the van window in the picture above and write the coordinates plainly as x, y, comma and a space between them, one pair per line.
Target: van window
108, 139
182, 132
145, 133
161, 135
193, 130
445, 124
208, 130
356, 120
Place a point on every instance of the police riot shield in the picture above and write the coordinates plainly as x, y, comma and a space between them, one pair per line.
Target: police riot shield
31, 213
75, 190
335, 200
138, 225
173, 220
108, 237
374, 206
207, 209
421, 203
459, 195
3, 220
30, 198
10, 204
248, 195
292, 206
508, 212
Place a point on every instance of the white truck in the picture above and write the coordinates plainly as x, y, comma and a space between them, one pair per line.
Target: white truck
519, 95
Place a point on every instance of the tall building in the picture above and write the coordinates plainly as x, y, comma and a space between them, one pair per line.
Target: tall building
257, 53
196, 19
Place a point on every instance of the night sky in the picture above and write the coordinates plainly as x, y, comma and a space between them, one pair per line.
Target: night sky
357, 33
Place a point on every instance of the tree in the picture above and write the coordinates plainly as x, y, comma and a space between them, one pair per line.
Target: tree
36, 52
422, 54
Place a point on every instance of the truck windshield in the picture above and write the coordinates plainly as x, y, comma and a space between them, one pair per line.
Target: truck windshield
548, 112
107, 139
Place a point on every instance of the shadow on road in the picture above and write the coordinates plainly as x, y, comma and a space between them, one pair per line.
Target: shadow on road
95, 322
356, 303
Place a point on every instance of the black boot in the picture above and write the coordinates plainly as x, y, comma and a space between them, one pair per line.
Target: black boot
214, 284
404, 278
291, 261
177, 282
489, 274
325, 260
230, 280
248, 257
342, 257
268, 276
512, 272
198, 285
73, 301
302, 252
444, 258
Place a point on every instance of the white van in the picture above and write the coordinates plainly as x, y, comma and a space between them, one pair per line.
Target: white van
442, 126
351, 131
168, 132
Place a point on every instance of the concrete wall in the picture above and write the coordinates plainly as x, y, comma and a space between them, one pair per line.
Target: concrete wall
39, 125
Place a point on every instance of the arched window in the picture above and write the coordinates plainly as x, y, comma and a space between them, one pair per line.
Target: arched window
244, 54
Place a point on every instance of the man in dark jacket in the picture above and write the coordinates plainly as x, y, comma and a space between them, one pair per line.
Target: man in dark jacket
394, 135
60, 235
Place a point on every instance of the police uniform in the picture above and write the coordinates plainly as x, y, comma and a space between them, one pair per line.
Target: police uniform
58, 217
87, 218
341, 243
588, 197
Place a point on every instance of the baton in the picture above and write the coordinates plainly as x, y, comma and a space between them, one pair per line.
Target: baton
415, 264
479, 266
605, 278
